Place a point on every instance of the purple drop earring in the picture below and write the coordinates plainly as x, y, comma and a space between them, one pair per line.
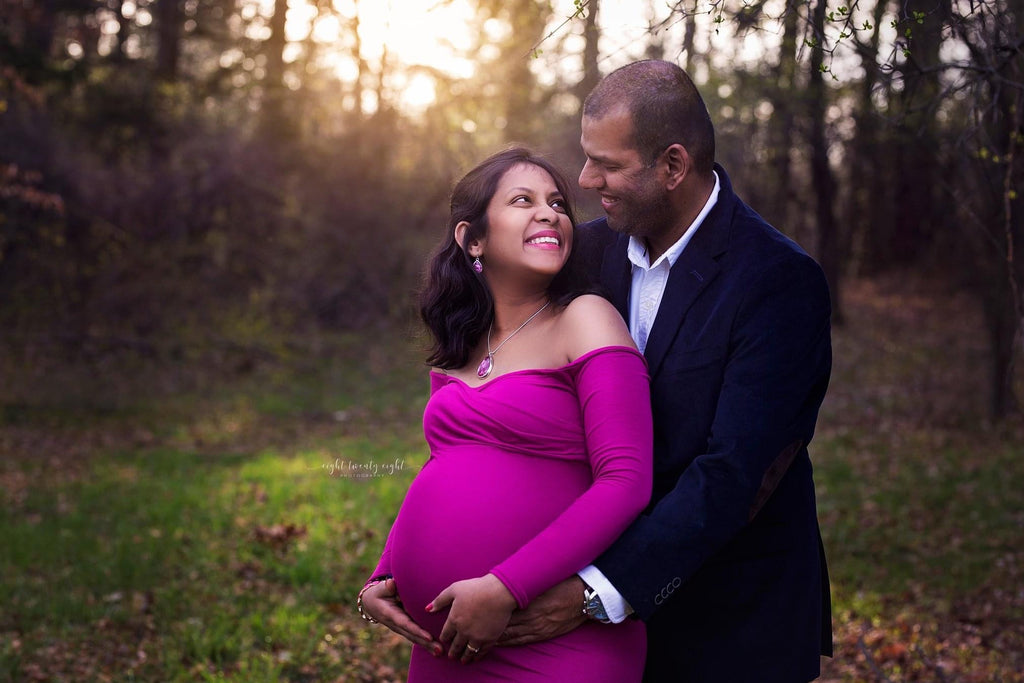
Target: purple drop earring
477, 265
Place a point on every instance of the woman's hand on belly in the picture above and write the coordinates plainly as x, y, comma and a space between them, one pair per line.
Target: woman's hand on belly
381, 602
480, 610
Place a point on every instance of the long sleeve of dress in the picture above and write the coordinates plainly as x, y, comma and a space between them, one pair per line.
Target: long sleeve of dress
384, 565
614, 395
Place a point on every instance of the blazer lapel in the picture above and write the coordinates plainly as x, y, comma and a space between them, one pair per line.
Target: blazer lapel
691, 274
617, 275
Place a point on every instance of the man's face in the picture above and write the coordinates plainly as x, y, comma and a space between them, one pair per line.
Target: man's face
631, 193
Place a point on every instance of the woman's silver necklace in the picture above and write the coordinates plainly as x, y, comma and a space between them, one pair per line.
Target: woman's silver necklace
487, 364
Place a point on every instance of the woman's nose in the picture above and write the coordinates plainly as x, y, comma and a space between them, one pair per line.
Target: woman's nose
546, 213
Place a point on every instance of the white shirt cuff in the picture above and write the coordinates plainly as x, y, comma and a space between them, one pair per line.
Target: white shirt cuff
614, 604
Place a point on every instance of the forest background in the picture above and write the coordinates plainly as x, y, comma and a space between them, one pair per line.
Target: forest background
213, 219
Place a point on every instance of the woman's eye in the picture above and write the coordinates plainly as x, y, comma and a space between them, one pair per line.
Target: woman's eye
558, 205
521, 198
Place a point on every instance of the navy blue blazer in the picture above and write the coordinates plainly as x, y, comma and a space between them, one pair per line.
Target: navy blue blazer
726, 565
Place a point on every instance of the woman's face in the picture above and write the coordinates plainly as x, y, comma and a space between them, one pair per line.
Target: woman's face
528, 228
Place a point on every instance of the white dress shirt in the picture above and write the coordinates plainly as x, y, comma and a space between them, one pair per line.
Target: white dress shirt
645, 294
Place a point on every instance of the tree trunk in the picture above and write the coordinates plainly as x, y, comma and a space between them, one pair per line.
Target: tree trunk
919, 209
274, 47
824, 183
869, 196
655, 42
122, 32
168, 14
1006, 322
273, 119
380, 87
783, 122
689, 34
527, 19
40, 30
592, 35
1002, 321
362, 68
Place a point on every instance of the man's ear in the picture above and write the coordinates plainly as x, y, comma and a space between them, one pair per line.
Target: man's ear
677, 165
475, 248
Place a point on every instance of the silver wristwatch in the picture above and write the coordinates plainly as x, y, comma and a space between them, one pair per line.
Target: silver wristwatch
593, 608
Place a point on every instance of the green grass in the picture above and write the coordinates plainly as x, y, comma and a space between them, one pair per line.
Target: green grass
933, 519
131, 526
120, 549
162, 545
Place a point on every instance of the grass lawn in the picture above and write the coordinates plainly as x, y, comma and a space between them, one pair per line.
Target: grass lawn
221, 532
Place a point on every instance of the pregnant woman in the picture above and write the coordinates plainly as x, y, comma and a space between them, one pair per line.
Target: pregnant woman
539, 428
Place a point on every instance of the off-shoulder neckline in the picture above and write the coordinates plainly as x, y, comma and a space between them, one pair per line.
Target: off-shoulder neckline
540, 371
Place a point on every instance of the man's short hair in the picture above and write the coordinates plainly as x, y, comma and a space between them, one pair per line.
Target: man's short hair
665, 108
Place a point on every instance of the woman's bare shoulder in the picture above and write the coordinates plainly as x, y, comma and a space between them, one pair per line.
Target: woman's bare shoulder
591, 322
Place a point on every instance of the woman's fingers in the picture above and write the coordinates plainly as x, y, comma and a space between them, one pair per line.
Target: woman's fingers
382, 603
458, 647
448, 631
443, 599
474, 652
402, 624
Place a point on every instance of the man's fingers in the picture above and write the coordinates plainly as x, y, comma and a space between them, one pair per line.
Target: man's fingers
517, 635
525, 630
525, 626
520, 619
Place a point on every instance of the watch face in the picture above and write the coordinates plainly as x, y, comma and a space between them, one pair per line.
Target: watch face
595, 608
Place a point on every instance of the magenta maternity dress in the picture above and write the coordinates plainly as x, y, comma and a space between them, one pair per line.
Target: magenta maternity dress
530, 476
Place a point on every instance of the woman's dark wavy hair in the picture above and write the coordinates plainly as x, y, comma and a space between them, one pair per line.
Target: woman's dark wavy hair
455, 302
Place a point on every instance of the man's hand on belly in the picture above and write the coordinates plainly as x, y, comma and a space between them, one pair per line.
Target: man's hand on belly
553, 613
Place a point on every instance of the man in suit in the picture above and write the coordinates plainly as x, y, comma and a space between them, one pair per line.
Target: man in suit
726, 565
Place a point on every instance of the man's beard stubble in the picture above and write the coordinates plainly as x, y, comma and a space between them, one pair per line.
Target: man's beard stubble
644, 216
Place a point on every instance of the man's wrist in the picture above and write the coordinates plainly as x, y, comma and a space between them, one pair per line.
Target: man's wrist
593, 608
615, 604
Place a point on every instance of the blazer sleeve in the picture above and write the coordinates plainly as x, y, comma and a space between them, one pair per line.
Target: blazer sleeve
774, 379
614, 395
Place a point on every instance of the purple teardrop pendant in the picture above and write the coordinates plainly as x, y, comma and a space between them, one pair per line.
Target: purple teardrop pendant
485, 366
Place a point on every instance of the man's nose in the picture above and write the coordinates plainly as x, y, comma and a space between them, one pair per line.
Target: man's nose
589, 178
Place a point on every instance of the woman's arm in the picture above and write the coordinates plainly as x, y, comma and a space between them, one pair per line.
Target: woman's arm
614, 395
615, 398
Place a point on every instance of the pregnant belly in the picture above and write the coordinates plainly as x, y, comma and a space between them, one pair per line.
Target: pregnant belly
468, 510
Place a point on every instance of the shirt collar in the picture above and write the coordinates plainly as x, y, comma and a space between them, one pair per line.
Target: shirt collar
636, 252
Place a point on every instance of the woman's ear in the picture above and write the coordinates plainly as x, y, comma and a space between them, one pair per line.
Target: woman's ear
474, 247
